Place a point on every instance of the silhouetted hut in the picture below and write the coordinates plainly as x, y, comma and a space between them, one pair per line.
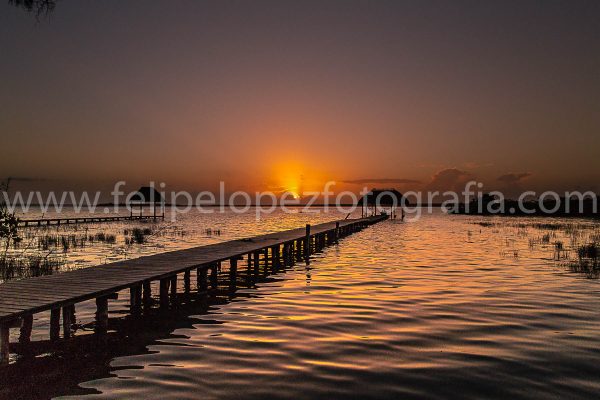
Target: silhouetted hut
383, 201
147, 196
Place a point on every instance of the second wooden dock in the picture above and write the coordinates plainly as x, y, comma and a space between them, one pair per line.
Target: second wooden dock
26, 223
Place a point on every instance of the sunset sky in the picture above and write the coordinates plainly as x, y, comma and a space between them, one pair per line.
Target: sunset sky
270, 95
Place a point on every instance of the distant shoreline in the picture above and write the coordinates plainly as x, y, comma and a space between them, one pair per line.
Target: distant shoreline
250, 205
512, 208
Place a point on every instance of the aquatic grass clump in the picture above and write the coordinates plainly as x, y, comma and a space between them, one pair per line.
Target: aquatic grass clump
29, 265
65, 242
485, 224
559, 250
588, 252
47, 241
547, 226
137, 235
211, 232
546, 238
105, 238
587, 261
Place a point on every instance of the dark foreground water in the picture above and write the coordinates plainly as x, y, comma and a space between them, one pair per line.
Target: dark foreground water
440, 308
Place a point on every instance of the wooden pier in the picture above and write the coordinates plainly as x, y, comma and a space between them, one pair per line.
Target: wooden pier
20, 300
24, 223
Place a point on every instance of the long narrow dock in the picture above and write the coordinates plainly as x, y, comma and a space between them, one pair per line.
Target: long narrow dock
24, 223
20, 300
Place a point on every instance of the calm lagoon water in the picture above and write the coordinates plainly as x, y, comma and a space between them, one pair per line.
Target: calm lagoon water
440, 308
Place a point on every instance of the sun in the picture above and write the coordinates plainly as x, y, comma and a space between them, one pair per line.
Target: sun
289, 178
291, 185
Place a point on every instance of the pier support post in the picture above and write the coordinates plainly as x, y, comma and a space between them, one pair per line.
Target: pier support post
135, 298
72, 310
256, 256
26, 328
233, 273
307, 242
187, 281
201, 281
292, 253
101, 315
4, 344
286, 254
276, 250
214, 277
54, 324
337, 231
248, 274
147, 292
173, 285
67, 313
299, 249
275, 257
164, 292
266, 257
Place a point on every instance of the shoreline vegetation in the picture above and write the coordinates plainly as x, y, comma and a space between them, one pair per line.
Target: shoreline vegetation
572, 245
488, 205
45, 250
584, 240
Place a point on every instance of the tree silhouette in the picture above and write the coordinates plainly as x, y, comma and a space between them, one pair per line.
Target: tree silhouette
38, 6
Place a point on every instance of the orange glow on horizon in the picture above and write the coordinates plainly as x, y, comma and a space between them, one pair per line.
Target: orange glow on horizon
288, 177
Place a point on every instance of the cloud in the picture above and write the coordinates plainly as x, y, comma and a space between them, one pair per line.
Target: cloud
514, 178
365, 181
449, 179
